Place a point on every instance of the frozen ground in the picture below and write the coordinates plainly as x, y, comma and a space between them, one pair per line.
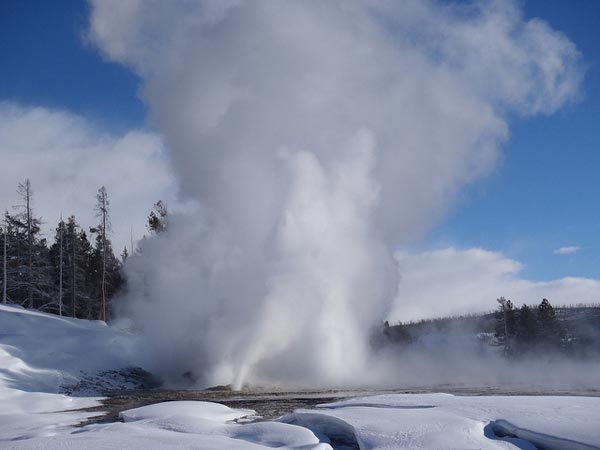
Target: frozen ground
412, 421
44, 356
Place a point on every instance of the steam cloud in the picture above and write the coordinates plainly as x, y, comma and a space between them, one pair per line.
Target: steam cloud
317, 136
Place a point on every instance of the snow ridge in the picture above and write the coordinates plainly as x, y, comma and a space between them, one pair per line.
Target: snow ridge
545, 441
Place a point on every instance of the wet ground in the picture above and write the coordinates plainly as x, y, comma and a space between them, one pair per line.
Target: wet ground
270, 404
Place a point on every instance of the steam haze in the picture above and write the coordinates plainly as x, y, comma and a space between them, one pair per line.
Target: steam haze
317, 138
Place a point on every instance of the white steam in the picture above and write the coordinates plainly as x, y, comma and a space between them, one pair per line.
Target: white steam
316, 135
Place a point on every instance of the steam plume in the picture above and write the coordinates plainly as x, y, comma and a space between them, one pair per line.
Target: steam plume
316, 136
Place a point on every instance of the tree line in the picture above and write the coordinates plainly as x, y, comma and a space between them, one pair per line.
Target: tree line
76, 275
524, 330
518, 332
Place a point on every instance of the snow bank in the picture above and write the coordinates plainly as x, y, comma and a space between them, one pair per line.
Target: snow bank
196, 410
180, 425
44, 354
431, 421
502, 427
444, 421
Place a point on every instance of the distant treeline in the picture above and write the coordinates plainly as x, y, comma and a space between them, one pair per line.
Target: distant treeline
518, 332
77, 274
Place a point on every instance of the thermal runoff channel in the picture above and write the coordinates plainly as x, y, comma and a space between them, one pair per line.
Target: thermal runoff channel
315, 137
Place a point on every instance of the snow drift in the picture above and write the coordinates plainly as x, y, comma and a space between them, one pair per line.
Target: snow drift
44, 356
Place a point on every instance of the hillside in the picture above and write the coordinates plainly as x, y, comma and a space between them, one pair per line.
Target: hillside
581, 325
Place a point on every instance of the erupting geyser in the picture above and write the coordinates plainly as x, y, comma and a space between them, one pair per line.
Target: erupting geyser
316, 136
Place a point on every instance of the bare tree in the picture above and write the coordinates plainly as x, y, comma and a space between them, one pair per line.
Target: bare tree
60, 267
102, 213
4, 266
25, 192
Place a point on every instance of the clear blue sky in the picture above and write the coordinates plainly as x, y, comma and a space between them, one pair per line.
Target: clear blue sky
544, 194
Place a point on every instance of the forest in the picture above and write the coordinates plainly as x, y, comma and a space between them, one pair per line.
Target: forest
517, 332
77, 273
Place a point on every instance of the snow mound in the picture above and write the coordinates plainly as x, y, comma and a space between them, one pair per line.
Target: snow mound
43, 355
185, 410
444, 421
42, 352
504, 428
176, 425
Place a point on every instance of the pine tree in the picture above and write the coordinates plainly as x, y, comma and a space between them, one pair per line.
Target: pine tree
105, 267
28, 270
84, 278
24, 190
69, 262
525, 329
58, 253
551, 332
76, 266
103, 260
4, 238
102, 209
66, 270
13, 273
124, 255
157, 219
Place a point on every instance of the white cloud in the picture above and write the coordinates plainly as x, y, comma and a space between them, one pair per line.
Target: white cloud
452, 281
67, 160
568, 250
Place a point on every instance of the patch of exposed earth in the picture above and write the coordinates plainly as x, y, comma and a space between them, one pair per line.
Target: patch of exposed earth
272, 403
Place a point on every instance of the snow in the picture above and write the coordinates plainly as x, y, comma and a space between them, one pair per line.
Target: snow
40, 354
448, 421
178, 411
411, 421
180, 425
47, 353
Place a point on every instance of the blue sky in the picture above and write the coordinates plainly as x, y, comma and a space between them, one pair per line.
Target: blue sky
46, 61
544, 194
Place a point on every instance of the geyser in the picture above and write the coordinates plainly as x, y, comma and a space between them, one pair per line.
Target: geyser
317, 136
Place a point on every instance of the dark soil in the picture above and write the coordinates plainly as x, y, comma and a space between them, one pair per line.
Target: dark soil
270, 404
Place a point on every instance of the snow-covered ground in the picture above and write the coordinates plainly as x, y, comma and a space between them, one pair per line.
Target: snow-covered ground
43, 355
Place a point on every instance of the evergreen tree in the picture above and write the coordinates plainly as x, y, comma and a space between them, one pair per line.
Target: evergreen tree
69, 257
13, 273
71, 277
4, 243
28, 270
124, 255
58, 254
101, 250
84, 279
102, 259
157, 219
77, 265
525, 329
551, 332
105, 268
